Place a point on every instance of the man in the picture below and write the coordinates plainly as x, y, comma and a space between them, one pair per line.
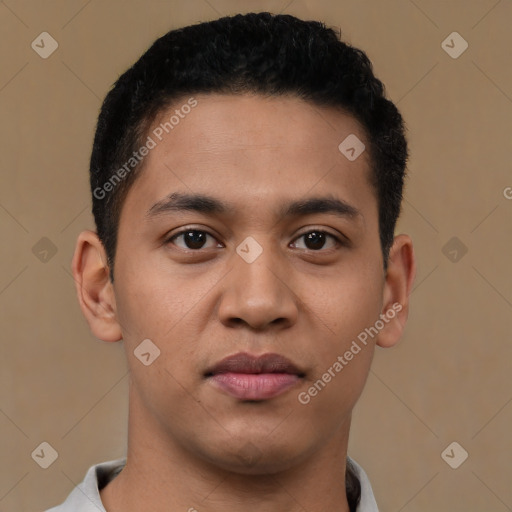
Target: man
246, 177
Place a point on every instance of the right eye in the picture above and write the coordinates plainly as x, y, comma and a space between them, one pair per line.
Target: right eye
192, 239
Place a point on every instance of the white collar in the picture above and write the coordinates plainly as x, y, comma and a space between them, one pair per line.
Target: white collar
85, 497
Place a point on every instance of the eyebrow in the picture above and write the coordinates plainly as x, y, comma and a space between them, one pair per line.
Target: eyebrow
177, 202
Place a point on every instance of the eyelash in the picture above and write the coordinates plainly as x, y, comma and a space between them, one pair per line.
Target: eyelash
339, 241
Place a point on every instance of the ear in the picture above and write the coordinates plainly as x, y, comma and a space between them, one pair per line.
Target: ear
397, 289
94, 289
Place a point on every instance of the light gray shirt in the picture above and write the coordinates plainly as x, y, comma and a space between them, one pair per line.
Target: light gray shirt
85, 497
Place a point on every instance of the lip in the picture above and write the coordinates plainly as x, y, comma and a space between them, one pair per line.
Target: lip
249, 377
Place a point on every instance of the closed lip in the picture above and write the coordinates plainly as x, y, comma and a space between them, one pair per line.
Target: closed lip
251, 364
252, 378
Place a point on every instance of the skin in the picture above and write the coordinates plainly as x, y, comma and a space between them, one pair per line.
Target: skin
191, 445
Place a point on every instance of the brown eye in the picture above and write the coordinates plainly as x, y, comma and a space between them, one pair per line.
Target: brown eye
315, 240
192, 239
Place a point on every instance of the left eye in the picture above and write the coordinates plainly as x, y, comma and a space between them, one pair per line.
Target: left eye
315, 240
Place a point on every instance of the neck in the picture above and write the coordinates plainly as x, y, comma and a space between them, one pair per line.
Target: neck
161, 475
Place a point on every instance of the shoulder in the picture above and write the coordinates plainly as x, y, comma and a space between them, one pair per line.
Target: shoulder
85, 497
367, 502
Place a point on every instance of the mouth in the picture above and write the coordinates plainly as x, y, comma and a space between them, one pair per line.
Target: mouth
254, 378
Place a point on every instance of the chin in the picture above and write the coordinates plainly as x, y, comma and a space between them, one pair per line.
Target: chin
255, 458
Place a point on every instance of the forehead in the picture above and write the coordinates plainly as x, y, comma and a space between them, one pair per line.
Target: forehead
249, 122
249, 147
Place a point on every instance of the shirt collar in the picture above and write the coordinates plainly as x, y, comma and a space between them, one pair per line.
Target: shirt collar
85, 497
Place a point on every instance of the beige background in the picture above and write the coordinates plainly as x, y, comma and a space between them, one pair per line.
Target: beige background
448, 380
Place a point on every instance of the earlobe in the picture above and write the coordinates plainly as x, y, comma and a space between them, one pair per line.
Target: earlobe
94, 289
397, 289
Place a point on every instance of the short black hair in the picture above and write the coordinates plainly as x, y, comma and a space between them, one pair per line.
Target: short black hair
260, 53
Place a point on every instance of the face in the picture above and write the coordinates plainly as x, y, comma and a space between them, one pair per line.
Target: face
279, 258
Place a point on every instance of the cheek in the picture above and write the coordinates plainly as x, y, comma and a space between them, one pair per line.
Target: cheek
343, 350
346, 303
166, 309
330, 397
149, 308
152, 303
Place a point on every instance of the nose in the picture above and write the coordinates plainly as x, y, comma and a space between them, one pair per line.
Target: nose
258, 294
